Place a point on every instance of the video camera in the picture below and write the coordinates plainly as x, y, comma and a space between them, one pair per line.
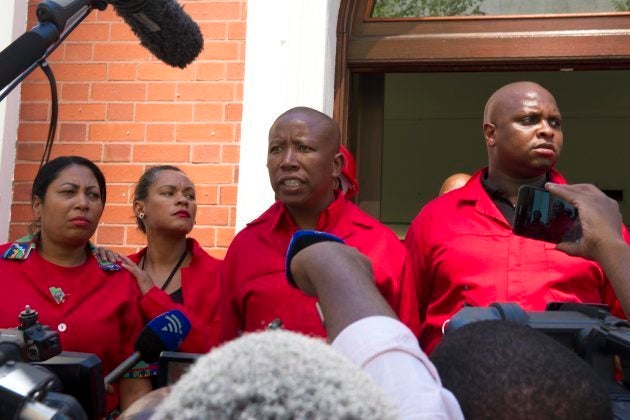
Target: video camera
588, 329
33, 390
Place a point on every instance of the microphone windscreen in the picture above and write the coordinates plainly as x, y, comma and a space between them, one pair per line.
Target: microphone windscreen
163, 28
275, 374
165, 332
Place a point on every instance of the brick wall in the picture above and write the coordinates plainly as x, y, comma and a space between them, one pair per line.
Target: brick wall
126, 110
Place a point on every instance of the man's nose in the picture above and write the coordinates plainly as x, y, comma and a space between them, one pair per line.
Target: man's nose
289, 158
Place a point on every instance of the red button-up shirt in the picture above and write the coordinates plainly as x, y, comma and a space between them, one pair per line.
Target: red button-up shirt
253, 278
97, 311
461, 250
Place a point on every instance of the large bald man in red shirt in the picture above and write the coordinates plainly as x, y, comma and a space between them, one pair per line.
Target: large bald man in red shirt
461, 249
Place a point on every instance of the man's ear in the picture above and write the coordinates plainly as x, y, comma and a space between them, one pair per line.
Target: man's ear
489, 130
338, 163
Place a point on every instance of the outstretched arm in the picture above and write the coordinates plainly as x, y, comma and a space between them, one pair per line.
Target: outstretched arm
342, 279
602, 239
363, 327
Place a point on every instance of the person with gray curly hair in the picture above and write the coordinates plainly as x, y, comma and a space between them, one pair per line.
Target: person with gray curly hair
275, 375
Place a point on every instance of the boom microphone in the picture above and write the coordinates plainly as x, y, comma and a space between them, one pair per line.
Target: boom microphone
163, 333
163, 28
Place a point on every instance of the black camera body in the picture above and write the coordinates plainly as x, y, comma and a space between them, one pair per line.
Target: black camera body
34, 389
588, 329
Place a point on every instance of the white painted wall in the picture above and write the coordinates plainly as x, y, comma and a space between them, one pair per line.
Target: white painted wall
12, 25
289, 61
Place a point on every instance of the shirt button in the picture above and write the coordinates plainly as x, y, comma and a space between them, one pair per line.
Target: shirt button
62, 327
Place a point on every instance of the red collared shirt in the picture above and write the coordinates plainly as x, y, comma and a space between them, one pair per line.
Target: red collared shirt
253, 278
93, 307
461, 250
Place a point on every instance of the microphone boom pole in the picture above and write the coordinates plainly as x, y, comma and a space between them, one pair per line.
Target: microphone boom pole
27, 52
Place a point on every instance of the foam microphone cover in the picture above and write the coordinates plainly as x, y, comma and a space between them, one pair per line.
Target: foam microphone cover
163, 28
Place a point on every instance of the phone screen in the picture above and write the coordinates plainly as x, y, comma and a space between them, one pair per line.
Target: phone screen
540, 215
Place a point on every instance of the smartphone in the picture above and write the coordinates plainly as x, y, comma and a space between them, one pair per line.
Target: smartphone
540, 215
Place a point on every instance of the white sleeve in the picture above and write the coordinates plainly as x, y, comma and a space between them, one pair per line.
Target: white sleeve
389, 352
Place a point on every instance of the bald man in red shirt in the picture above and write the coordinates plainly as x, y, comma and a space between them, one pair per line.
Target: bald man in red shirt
303, 161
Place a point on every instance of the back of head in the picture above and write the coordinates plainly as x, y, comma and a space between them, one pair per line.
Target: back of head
454, 182
273, 375
499, 369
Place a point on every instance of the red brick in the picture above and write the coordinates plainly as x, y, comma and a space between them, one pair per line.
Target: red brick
161, 72
213, 30
238, 92
220, 50
120, 51
90, 151
220, 132
29, 151
228, 194
22, 213
78, 52
17, 230
110, 235
234, 112
30, 111
207, 153
235, 71
201, 11
80, 72
135, 235
117, 213
161, 91
121, 172
160, 132
163, 112
121, 71
161, 153
208, 111
81, 112
209, 174
75, 91
22, 192
205, 235
225, 235
236, 30
32, 131
121, 32
118, 193
207, 194
116, 132
117, 153
230, 153
72, 132
120, 112
205, 91
110, 91
211, 71
89, 32
35, 91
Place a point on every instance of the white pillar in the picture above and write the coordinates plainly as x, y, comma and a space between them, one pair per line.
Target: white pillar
289, 61
12, 25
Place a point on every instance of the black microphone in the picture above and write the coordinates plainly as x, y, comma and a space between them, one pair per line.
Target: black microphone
163, 28
26, 50
163, 333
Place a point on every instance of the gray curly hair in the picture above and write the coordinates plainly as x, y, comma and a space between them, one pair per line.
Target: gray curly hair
275, 375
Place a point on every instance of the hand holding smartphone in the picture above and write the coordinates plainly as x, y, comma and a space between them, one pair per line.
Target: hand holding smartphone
540, 215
